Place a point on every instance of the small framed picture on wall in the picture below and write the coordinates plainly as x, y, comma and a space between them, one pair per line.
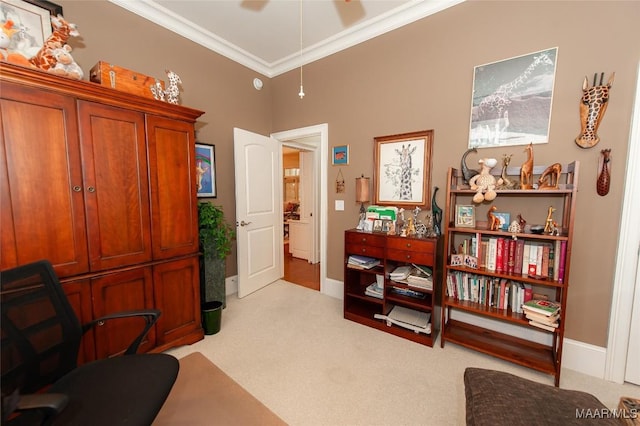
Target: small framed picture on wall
206, 170
340, 155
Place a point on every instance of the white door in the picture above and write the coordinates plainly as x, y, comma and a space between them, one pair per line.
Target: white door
258, 213
309, 191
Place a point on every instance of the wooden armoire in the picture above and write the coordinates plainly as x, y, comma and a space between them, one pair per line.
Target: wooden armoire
102, 184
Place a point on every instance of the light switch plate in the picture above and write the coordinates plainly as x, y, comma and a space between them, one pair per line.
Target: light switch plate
339, 205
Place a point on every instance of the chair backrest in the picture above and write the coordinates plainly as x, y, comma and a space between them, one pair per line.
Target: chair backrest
40, 331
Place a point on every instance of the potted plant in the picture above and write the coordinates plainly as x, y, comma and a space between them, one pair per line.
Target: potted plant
216, 237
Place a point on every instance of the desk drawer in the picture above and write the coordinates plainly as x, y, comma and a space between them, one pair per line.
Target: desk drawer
363, 250
365, 239
414, 245
419, 258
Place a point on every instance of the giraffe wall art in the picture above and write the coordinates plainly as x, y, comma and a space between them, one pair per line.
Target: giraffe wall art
403, 169
511, 102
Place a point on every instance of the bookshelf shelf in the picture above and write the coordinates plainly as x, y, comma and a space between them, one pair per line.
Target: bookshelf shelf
392, 251
472, 297
519, 351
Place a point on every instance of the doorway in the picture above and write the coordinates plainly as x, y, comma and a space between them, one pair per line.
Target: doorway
312, 144
301, 265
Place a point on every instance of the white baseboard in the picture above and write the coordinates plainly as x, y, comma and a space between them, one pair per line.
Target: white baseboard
584, 358
231, 285
333, 288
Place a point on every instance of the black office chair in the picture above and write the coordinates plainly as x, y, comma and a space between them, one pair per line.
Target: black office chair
41, 381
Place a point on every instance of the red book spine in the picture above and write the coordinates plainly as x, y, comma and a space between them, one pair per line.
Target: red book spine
511, 260
519, 256
500, 255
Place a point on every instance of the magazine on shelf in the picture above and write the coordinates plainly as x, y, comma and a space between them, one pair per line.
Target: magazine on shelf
411, 319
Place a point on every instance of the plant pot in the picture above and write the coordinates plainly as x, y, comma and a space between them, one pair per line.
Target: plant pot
214, 288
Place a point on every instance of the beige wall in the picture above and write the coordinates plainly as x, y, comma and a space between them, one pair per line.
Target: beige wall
414, 78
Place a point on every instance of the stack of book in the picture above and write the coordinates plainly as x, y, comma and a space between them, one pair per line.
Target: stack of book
420, 277
542, 313
374, 290
362, 262
400, 273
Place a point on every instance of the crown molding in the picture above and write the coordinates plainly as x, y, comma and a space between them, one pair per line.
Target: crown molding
396, 18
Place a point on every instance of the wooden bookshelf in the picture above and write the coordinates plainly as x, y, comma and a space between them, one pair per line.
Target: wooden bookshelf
392, 251
457, 309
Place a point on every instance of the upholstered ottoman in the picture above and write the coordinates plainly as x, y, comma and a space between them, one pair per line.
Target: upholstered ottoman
498, 398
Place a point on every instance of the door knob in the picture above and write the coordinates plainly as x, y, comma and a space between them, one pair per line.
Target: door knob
243, 223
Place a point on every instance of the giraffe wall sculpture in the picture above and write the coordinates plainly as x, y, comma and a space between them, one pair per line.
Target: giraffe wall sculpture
592, 107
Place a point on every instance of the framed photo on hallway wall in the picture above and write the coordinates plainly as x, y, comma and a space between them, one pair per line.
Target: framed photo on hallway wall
206, 170
403, 169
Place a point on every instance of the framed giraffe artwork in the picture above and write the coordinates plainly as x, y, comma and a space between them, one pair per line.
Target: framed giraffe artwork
402, 174
511, 100
31, 23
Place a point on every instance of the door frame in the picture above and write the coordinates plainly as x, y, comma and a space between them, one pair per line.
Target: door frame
624, 283
321, 149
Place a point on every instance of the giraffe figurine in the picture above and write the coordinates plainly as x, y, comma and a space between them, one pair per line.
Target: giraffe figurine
172, 92
62, 30
497, 103
526, 172
592, 107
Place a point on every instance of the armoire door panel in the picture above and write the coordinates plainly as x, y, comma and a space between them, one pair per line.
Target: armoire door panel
173, 191
42, 202
122, 291
177, 295
79, 296
116, 185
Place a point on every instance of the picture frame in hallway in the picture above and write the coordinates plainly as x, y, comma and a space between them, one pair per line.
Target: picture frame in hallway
511, 100
340, 155
206, 170
402, 173
33, 19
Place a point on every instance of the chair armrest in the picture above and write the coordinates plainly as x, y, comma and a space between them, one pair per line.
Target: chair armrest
150, 317
46, 405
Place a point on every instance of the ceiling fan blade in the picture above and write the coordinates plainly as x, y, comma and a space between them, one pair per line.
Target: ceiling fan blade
350, 11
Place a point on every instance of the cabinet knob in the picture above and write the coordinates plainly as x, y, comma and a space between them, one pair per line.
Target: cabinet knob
408, 245
91, 189
76, 188
408, 256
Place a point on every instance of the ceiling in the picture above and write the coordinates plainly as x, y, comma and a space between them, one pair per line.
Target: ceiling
264, 35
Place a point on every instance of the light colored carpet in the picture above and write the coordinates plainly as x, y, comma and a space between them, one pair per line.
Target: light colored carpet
290, 347
204, 395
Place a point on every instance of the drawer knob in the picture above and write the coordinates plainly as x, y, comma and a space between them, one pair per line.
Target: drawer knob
409, 245
408, 256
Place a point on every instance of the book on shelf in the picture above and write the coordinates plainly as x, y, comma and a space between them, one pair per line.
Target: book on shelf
563, 254
374, 290
543, 326
362, 262
545, 307
511, 256
410, 319
517, 264
408, 292
423, 269
500, 255
400, 273
491, 254
549, 320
